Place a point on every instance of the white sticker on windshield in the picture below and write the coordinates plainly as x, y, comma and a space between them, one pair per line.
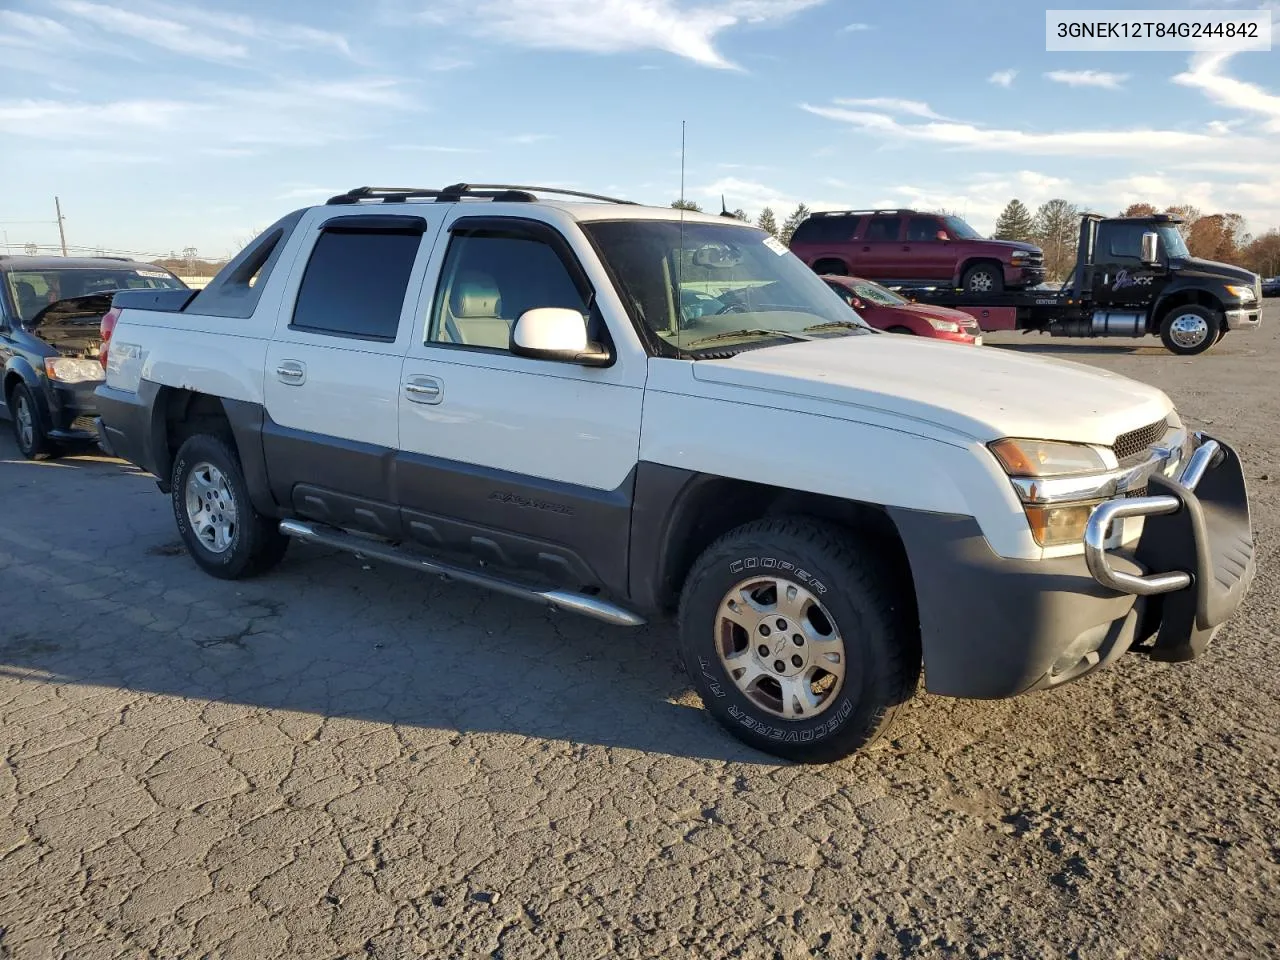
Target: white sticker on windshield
776, 245
151, 273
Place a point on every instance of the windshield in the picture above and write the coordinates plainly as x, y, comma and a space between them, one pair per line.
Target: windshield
689, 283
33, 290
1172, 241
874, 293
961, 230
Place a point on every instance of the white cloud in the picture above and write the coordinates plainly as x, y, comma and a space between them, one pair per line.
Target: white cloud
1003, 78
1088, 78
1139, 142
616, 26
168, 34
43, 28
443, 63
60, 119
915, 108
1206, 73
431, 148
856, 28
287, 35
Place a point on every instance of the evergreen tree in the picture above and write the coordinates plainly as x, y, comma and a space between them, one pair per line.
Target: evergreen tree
685, 205
741, 214
768, 222
1015, 223
798, 216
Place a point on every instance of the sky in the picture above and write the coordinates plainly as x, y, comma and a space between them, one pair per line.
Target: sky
166, 124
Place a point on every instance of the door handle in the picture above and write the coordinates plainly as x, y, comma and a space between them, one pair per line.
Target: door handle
424, 390
292, 372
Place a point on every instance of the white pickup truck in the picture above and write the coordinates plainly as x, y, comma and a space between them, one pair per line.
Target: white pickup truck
636, 413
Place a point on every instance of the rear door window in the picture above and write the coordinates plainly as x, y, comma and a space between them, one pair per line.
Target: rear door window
883, 228
355, 282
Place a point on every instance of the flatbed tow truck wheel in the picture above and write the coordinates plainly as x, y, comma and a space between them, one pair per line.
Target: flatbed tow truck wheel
1190, 330
794, 642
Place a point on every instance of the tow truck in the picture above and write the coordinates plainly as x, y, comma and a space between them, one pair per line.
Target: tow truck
1133, 276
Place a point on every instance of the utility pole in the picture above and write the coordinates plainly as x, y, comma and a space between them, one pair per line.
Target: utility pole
57, 205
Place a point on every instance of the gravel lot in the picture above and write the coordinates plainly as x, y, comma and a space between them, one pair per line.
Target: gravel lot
339, 761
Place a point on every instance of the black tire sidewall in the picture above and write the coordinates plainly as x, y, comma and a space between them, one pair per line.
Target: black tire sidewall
40, 446
239, 557
843, 726
1211, 317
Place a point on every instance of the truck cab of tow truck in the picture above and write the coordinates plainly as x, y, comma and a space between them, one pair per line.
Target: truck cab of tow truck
1139, 277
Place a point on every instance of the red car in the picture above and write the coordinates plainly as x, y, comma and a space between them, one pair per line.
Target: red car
885, 310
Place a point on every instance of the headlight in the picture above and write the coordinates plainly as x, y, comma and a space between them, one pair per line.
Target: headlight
71, 370
1058, 483
1046, 458
948, 326
1020, 254
1244, 294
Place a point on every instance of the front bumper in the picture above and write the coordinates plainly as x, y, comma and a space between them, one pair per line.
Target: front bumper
72, 410
991, 627
1198, 538
1023, 275
1243, 318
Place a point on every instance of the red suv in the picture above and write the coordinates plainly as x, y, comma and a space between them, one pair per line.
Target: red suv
910, 248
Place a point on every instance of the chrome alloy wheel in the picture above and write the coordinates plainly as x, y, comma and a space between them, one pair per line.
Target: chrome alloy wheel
211, 510
781, 647
1188, 330
24, 417
981, 282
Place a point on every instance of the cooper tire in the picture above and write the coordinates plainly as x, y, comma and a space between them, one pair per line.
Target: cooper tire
881, 652
983, 278
251, 543
1190, 330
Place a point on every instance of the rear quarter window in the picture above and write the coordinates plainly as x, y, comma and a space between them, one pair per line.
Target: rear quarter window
826, 230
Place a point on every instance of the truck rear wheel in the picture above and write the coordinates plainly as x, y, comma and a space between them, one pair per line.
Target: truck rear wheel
1190, 330
795, 643
224, 534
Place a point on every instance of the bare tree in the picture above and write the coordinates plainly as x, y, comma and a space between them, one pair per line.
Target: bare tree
1057, 229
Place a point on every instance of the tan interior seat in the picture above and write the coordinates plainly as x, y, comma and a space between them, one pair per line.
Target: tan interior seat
475, 305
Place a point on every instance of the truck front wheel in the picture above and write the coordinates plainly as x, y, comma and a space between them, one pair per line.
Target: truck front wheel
983, 278
794, 642
222, 531
1189, 330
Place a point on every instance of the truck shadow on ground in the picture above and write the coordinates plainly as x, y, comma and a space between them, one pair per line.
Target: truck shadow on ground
109, 598
1071, 347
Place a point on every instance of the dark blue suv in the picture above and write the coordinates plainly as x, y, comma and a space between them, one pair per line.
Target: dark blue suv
50, 310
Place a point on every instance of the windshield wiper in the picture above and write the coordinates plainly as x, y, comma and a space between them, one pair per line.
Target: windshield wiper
730, 335
836, 325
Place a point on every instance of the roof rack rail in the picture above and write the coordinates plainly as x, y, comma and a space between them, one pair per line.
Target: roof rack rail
506, 192
861, 213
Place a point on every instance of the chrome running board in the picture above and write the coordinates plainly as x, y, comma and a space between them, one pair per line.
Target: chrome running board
560, 599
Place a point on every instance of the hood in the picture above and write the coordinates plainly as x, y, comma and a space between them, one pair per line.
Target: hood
1013, 245
938, 313
985, 393
1211, 269
70, 326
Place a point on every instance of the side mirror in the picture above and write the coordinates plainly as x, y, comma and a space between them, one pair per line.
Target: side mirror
941, 235
1151, 248
555, 333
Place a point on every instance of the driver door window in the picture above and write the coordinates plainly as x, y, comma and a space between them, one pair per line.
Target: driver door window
488, 280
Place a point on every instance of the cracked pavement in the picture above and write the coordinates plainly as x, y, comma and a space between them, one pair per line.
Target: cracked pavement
346, 760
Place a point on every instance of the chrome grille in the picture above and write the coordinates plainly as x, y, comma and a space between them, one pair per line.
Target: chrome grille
1133, 446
